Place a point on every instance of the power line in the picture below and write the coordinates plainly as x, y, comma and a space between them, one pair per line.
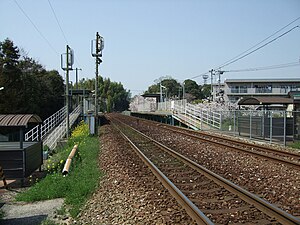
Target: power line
36, 28
240, 56
279, 66
269, 42
258, 43
58, 22
200, 75
62, 31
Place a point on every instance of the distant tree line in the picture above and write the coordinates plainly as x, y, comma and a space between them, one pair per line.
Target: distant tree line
113, 96
27, 86
173, 89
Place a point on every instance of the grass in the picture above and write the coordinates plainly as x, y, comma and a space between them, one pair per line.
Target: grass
82, 179
295, 144
48, 222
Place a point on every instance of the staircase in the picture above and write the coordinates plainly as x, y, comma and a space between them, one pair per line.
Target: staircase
53, 128
60, 131
192, 115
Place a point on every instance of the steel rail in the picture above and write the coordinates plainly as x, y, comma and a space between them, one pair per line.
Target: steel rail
240, 149
263, 148
189, 207
195, 134
261, 204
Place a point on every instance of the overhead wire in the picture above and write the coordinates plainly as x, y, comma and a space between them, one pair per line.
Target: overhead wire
222, 65
62, 31
243, 55
269, 42
36, 28
279, 66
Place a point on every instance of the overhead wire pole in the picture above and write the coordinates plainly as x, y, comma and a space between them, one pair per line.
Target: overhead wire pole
67, 66
77, 97
67, 91
97, 54
96, 84
211, 83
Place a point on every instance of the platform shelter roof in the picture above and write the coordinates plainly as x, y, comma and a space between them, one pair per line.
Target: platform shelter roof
18, 120
265, 101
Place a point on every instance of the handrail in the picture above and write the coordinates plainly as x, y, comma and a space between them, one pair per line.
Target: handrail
60, 131
40, 131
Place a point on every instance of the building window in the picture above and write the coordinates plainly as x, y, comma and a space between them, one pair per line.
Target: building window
263, 88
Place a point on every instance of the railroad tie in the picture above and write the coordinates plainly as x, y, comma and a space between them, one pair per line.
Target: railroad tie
3, 177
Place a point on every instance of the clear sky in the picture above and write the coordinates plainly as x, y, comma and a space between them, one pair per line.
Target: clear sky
147, 39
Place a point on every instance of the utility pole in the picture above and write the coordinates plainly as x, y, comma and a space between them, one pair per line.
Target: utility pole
211, 83
160, 91
183, 90
97, 54
69, 60
77, 97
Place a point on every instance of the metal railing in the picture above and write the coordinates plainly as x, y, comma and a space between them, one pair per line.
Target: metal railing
33, 134
40, 131
194, 115
60, 131
52, 121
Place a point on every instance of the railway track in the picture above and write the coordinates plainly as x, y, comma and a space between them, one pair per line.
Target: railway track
287, 158
207, 197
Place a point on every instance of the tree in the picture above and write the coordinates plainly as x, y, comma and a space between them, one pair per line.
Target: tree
113, 96
171, 87
174, 89
192, 88
205, 91
10, 77
28, 86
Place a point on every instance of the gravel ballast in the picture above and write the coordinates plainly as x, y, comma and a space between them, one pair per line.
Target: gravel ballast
129, 193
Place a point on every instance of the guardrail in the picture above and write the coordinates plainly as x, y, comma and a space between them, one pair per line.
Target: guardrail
60, 131
40, 131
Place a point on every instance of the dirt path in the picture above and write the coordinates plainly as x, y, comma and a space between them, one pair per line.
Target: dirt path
29, 213
24, 213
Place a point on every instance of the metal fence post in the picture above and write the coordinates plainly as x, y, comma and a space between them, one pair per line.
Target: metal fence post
234, 118
221, 120
284, 128
250, 124
263, 125
201, 117
271, 121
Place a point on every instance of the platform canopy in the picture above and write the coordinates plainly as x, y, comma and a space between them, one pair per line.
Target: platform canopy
157, 96
18, 120
265, 101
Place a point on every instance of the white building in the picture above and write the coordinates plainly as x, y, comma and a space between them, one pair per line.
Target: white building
234, 89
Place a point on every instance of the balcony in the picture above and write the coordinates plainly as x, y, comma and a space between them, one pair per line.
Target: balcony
259, 91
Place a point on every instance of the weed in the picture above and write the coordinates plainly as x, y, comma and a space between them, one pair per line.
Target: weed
295, 144
48, 222
82, 179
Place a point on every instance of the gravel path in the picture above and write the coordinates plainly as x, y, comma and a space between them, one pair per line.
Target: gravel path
129, 193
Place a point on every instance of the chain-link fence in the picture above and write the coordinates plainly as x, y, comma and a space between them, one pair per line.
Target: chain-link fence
269, 125
273, 126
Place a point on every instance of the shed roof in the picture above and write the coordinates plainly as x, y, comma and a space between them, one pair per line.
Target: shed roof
18, 120
151, 95
265, 100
